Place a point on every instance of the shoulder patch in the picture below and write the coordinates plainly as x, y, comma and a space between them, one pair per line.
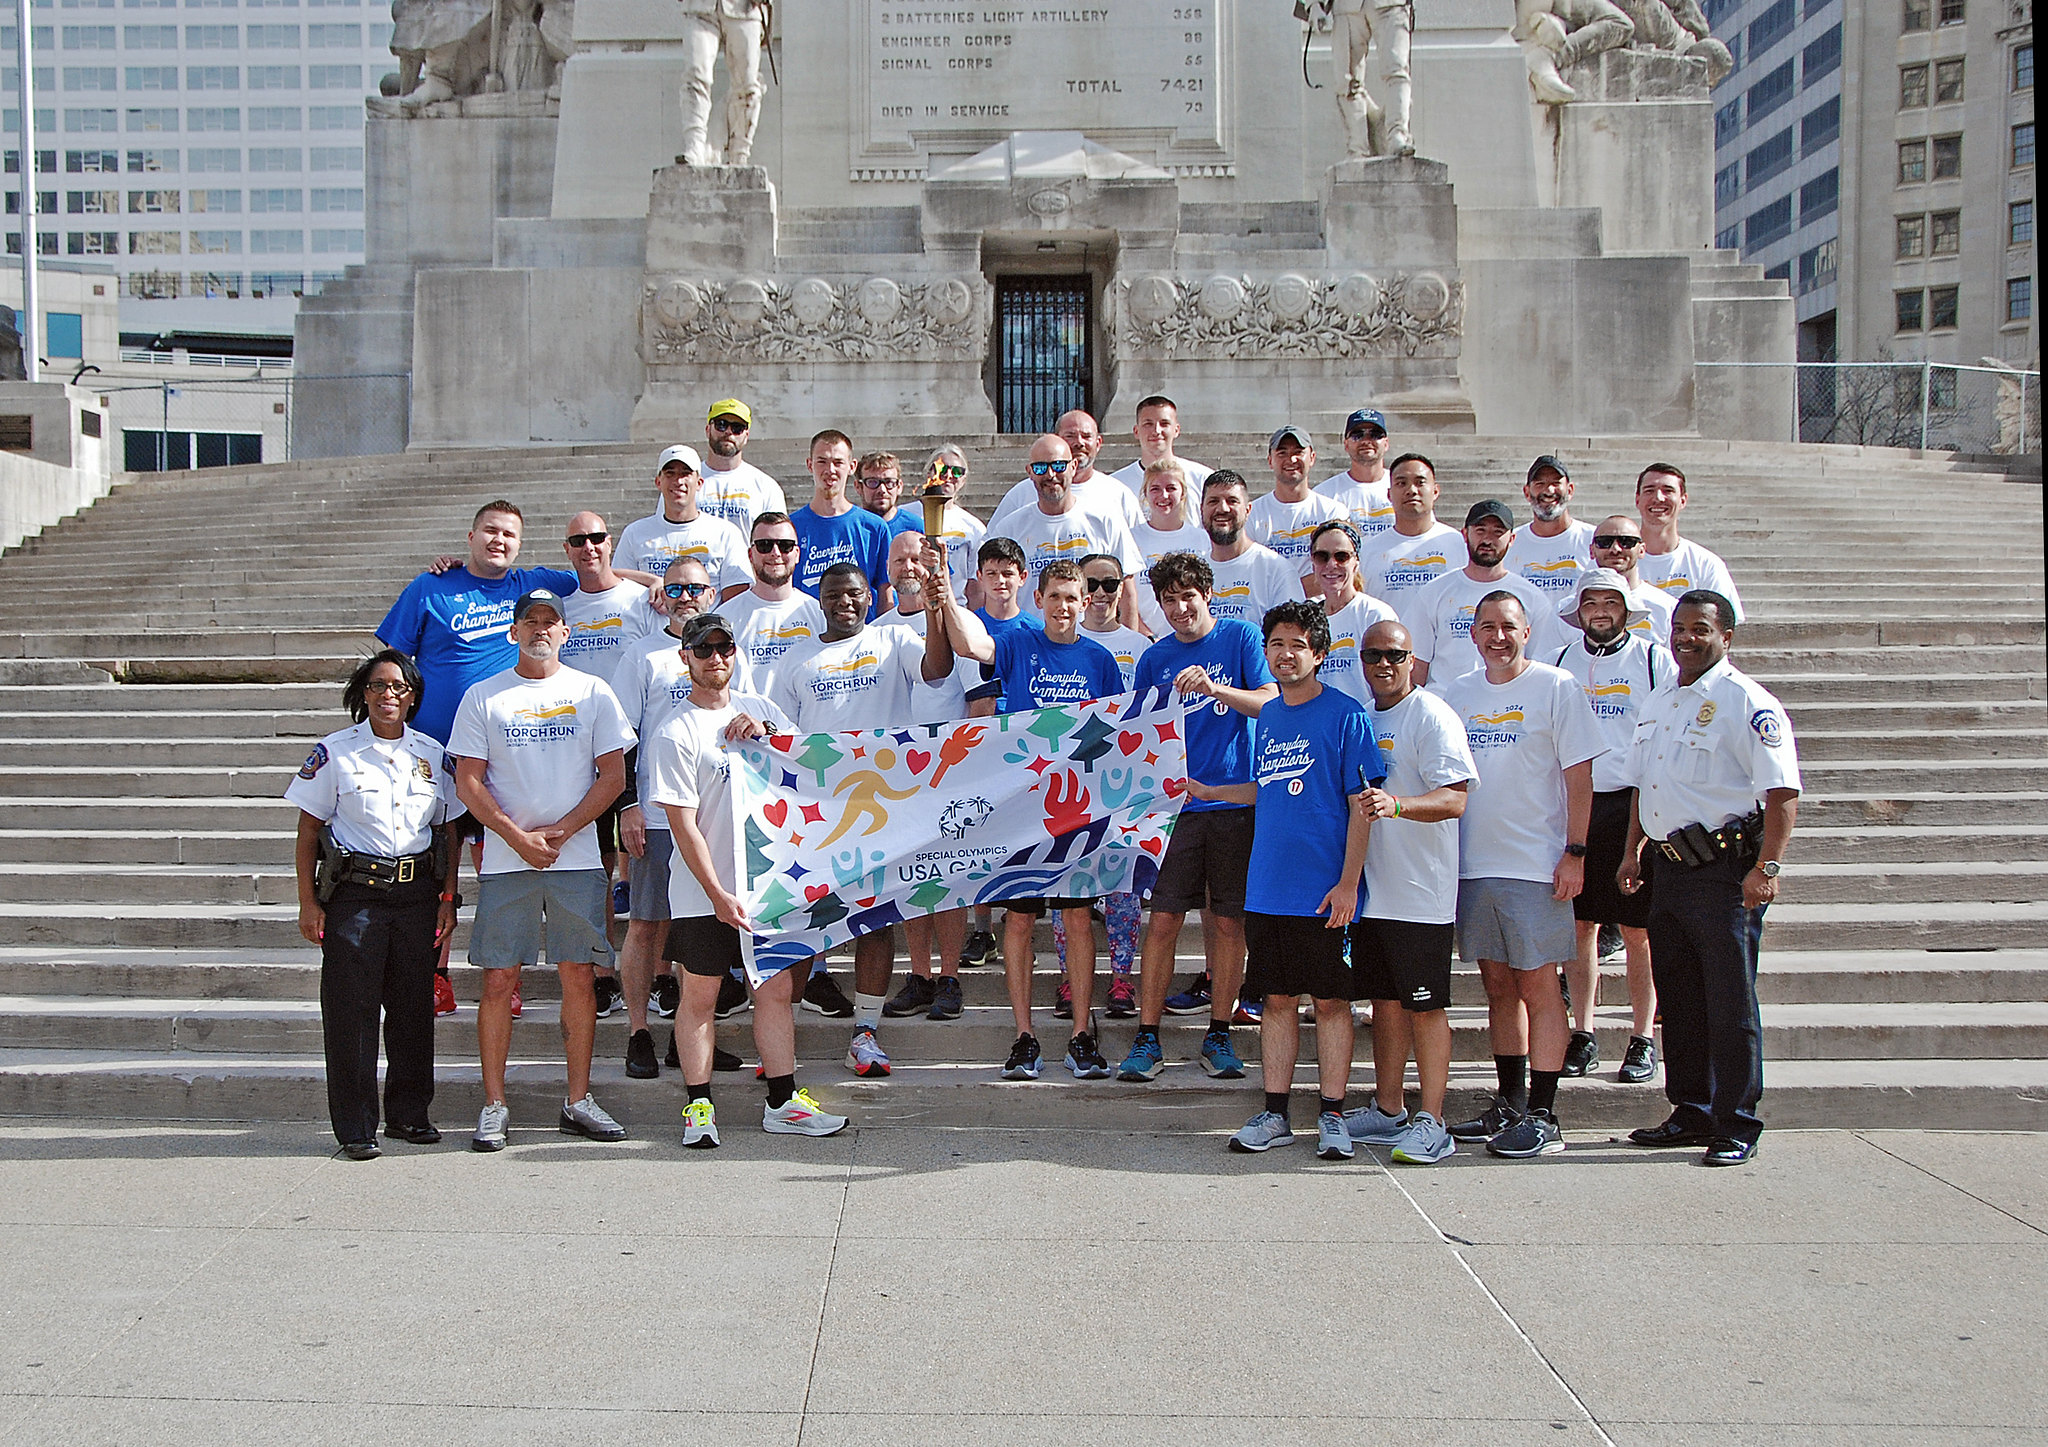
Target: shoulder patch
1768, 728
315, 761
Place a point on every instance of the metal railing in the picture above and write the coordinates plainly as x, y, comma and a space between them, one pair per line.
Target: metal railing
1941, 406
172, 425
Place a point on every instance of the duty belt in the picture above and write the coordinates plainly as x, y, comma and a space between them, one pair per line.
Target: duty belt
379, 872
1696, 846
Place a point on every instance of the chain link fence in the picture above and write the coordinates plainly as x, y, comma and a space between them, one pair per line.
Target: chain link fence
1928, 405
172, 425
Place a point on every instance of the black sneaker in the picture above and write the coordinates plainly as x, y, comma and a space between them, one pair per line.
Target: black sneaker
732, 998
724, 1060
610, 999
672, 1060
1582, 1055
640, 1064
1535, 1134
913, 999
945, 999
1084, 1058
667, 996
980, 950
825, 998
1640, 1062
1490, 1122
1063, 1002
1612, 949
1024, 1062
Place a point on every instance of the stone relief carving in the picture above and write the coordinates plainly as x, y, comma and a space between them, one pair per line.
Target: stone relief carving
474, 57
1289, 315
685, 320
1558, 34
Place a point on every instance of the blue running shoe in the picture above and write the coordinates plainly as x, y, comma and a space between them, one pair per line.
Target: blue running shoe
1194, 1000
1219, 1059
1145, 1060
622, 898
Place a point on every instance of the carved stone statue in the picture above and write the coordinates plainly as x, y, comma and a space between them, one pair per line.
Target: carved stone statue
738, 28
444, 50
1557, 34
1679, 26
1371, 129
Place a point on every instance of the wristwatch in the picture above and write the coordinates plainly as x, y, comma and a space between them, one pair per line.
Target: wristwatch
1768, 868
1577, 851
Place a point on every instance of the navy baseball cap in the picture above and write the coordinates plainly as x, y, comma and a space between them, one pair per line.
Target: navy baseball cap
1366, 417
1494, 508
539, 598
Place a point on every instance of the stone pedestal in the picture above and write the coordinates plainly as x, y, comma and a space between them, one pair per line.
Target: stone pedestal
1638, 145
720, 218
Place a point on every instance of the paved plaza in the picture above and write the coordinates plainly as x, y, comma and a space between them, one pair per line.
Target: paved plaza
214, 1283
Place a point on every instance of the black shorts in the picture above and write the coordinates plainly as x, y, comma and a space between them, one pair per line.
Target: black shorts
1206, 863
1601, 901
608, 830
469, 827
1294, 954
1394, 959
1036, 905
705, 945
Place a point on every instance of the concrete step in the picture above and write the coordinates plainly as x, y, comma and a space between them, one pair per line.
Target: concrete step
1923, 807
1801, 686
174, 751
2007, 881
1879, 844
1890, 925
241, 728
148, 846
1951, 743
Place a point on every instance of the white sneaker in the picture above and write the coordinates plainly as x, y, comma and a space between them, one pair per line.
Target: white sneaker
1262, 1132
800, 1115
700, 1126
587, 1118
490, 1128
865, 1056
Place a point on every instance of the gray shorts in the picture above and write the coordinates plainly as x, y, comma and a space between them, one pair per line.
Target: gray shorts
647, 876
1516, 922
526, 911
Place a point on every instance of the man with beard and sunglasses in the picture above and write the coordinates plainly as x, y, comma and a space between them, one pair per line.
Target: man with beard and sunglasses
733, 488
1617, 545
1439, 614
1055, 527
773, 617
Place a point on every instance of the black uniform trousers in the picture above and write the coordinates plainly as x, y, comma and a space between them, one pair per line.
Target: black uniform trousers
1703, 947
379, 955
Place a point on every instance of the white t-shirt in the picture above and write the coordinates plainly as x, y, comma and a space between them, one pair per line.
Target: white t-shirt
650, 544
1400, 565
739, 494
867, 681
1553, 564
946, 700
540, 739
1093, 495
1152, 545
602, 624
1124, 644
1686, 567
1617, 686
962, 535
1286, 527
1438, 617
1072, 535
1366, 504
1132, 476
766, 630
652, 683
1523, 736
1411, 868
1348, 626
692, 768
1250, 583
379, 796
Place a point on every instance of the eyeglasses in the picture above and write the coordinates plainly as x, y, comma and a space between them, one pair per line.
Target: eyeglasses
728, 424
881, 482
382, 689
948, 472
1103, 585
1383, 655
712, 650
1057, 469
582, 540
686, 590
765, 546
1322, 557
1616, 540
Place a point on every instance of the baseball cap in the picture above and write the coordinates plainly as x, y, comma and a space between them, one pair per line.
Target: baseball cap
1594, 580
679, 453
1365, 417
1546, 460
730, 407
1301, 438
539, 598
702, 626
1491, 507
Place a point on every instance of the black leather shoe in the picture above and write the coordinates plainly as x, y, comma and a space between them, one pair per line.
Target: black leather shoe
1667, 1135
414, 1135
361, 1150
1728, 1152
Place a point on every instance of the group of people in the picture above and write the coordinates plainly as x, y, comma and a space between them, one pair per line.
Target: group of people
1402, 738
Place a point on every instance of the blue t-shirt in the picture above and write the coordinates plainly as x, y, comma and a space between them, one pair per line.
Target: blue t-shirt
1036, 672
458, 628
1219, 738
1308, 759
907, 520
997, 627
857, 537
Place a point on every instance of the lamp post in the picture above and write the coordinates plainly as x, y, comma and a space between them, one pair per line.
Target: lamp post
28, 322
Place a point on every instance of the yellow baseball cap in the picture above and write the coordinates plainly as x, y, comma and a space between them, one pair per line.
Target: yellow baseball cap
730, 407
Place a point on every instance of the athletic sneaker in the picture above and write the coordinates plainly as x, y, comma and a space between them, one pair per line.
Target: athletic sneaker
1490, 1122
666, 996
1369, 1125
865, 1056
1262, 1132
732, 998
1333, 1139
913, 999
1024, 1062
490, 1128
824, 997
610, 999
1535, 1134
700, 1126
1063, 1002
723, 1059
622, 898
1613, 949
1640, 1062
1084, 1059
1144, 1062
1248, 1012
1581, 1055
945, 999
586, 1118
1123, 999
979, 950
800, 1115
444, 994
640, 1062
1425, 1142
1219, 1059
1194, 1000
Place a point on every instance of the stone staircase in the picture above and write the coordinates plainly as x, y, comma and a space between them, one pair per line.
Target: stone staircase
167, 657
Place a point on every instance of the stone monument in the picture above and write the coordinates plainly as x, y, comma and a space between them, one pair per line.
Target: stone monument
923, 180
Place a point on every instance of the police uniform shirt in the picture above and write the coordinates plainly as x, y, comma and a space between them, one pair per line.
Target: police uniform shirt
1619, 681
1707, 751
380, 796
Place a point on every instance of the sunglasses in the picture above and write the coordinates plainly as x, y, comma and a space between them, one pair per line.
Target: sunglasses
713, 650
1383, 655
1103, 585
774, 545
1057, 469
1356, 433
1322, 557
580, 540
380, 688
1616, 540
686, 590
948, 472
728, 424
